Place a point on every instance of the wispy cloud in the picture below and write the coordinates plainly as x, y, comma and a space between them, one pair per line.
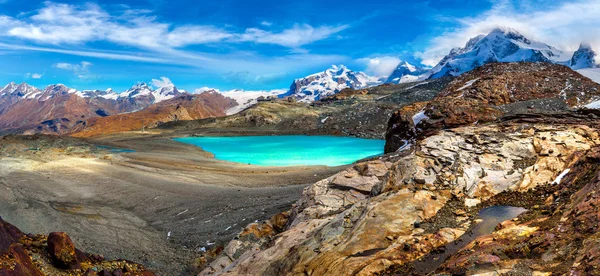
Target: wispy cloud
563, 26
59, 24
34, 75
294, 37
266, 23
76, 68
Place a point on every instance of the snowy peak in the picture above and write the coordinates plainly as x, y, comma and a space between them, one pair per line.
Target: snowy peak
19, 90
500, 45
166, 92
140, 89
584, 57
405, 72
329, 82
163, 93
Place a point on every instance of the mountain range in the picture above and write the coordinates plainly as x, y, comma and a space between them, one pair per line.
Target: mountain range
500, 45
58, 109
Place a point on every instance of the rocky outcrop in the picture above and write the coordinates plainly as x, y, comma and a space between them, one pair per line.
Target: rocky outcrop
38, 255
382, 216
490, 92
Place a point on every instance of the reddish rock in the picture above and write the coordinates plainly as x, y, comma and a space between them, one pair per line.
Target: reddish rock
8, 235
62, 251
21, 263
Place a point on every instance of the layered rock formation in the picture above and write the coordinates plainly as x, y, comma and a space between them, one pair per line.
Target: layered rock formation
383, 215
32, 255
415, 211
490, 92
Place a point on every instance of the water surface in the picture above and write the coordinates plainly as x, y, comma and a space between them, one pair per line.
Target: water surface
289, 150
491, 217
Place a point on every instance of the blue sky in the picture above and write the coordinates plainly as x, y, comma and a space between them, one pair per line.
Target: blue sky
256, 45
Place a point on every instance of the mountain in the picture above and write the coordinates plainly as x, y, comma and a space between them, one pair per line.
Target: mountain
584, 57
12, 93
245, 99
406, 72
58, 109
329, 82
490, 92
500, 45
182, 107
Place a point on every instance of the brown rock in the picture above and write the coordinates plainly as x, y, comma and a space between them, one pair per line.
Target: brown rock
62, 251
21, 264
9, 234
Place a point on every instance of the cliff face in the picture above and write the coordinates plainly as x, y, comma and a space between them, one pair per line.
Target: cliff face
32, 255
382, 216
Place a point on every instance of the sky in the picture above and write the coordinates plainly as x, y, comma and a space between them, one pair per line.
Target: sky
257, 45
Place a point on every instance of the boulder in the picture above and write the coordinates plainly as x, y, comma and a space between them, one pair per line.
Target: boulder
62, 251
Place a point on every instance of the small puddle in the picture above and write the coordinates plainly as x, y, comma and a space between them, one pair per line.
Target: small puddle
491, 217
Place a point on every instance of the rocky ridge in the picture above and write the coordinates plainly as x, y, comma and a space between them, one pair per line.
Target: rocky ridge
490, 92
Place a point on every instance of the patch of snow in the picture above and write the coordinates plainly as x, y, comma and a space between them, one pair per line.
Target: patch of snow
417, 118
561, 176
468, 84
591, 73
110, 96
324, 120
593, 105
183, 212
244, 98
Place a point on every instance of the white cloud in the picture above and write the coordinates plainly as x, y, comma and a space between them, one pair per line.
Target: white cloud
162, 82
89, 53
34, 75
380, 66
266, 23
75, 68
60, 24
296, 36
563, 26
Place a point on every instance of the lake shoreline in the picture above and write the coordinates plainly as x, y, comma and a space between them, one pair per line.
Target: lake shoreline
172, 199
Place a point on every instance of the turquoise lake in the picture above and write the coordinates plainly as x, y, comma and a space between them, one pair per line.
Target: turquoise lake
292, 150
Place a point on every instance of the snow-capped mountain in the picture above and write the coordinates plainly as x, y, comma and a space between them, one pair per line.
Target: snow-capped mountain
19, 90
500, 45
406, 72
584, 57
160, 94
58, 108
329, 82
